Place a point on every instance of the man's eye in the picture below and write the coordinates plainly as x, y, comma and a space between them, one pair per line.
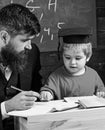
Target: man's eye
24, 40
68, 58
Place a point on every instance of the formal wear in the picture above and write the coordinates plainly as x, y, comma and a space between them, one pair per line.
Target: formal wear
28, 79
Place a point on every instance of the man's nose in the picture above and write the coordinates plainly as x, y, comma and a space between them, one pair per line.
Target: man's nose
29, 46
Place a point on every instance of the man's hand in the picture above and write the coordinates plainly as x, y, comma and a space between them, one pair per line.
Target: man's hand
22, 101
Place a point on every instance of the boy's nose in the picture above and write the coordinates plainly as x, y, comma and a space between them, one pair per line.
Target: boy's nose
73, 61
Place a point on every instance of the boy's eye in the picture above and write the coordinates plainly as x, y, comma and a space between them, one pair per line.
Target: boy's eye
78, 58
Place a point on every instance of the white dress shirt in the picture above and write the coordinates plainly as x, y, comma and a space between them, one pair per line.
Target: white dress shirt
7, 72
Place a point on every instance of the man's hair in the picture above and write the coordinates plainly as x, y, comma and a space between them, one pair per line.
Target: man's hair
86, 47
16, 18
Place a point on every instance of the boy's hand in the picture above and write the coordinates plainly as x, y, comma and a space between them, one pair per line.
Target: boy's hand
101, 94
46, 96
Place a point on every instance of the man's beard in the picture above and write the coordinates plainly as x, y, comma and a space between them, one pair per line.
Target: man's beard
13, 59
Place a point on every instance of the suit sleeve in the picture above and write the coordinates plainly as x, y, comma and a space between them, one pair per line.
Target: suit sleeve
1, 127
36, 76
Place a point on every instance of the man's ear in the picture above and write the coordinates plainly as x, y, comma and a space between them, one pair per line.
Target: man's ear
5, 37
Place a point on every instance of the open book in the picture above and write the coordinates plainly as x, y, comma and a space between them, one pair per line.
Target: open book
88, 101
68, 103
40, 108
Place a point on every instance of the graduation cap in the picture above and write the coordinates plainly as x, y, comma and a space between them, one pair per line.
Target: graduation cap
75, 35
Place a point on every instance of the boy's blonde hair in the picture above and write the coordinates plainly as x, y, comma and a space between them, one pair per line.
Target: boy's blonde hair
86, 47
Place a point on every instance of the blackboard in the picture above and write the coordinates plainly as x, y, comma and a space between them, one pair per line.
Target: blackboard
57, 14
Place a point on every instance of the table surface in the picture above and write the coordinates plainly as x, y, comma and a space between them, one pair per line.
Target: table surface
88, 119
74, 119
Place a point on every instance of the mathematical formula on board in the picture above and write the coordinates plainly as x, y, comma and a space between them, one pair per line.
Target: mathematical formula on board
51, 5
57, 14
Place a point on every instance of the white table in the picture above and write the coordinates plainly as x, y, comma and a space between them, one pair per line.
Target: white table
83, 119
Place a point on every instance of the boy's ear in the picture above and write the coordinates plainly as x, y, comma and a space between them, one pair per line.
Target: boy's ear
5, 37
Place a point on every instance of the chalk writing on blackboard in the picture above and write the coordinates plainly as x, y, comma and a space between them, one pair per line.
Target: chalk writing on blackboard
11, 1
32, 8
51, 5
57, 14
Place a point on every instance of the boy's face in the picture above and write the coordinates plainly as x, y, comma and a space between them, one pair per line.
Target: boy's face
74, 61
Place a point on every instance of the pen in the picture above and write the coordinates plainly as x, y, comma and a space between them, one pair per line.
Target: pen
63, 109
20, 90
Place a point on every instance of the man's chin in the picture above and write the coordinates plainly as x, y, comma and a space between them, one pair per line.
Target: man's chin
18, 67
16, 61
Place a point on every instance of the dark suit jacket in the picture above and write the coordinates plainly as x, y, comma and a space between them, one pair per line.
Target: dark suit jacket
29, 79
1, 127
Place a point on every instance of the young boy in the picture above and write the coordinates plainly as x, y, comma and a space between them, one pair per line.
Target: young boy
74, 78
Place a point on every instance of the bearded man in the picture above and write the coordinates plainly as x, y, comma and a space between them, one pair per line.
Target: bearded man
19, 61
